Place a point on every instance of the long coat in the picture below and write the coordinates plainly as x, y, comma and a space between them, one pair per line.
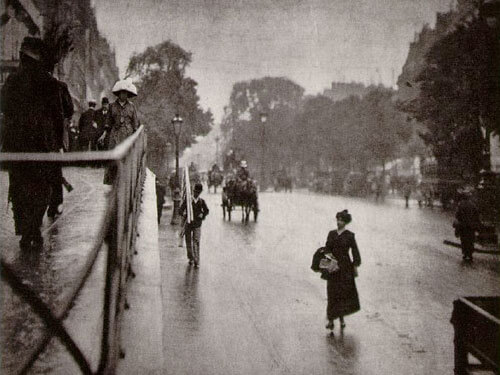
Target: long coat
341, 288
122, 122
467, 223
33, 115
101, 118
88, 129
33, 122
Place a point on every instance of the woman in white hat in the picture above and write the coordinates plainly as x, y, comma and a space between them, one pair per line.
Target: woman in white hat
122, 118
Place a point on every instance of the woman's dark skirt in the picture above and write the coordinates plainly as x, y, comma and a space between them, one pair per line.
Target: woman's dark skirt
342, 297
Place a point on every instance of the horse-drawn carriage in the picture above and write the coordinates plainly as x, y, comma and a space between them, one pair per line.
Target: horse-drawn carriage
283, 181
215, 179
242, 194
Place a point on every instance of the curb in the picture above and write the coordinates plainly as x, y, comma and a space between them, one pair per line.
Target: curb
142, 325
480, 250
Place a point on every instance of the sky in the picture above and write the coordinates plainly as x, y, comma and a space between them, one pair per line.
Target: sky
312, 42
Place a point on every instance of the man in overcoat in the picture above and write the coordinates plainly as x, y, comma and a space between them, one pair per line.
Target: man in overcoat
57, 179
467, 222
33, 122
101, 119
88, 128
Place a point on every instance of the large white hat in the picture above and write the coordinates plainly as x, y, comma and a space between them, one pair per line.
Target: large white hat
243, 164
125, 85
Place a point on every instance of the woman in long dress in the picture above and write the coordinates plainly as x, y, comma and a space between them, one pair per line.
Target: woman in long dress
122, 120
341, 287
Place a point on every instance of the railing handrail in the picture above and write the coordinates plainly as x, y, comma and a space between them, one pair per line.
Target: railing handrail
118, 153
125, 198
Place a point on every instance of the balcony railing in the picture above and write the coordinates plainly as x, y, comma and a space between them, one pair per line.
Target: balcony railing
118, 231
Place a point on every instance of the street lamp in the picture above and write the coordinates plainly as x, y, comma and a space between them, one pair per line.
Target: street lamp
168, 147
217, 139
176, 125
263, 120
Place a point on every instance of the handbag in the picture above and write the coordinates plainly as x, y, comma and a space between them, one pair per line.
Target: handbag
328, 263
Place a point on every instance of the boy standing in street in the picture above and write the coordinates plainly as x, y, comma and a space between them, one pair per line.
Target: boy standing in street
192, 230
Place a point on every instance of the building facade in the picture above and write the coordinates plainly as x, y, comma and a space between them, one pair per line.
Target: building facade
89, 70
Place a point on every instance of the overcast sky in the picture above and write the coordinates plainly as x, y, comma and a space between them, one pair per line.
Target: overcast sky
312, 42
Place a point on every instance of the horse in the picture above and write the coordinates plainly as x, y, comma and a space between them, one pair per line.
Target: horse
214, 179
284, 182
242, 194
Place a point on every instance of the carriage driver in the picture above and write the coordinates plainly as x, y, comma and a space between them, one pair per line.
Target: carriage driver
243, 173
215, 168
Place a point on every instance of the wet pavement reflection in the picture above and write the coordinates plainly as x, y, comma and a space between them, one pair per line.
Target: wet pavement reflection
255, 307
51, 273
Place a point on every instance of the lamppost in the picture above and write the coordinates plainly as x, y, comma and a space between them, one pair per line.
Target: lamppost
168, 147
217, 139
263, 120
176, 125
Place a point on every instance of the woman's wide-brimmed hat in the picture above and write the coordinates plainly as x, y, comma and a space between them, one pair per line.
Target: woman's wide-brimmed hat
344, 215
125, 85
243, 164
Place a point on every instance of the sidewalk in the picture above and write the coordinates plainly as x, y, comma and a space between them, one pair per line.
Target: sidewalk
67, 243
142, 325
51, 273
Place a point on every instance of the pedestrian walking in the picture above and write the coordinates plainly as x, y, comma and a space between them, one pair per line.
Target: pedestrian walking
57, 179
466, 223
122, 120
33, 122
192, 231
58, 42
73, 136
101, 118
337, 268
88, 128
419, 195
407, 193
160, 197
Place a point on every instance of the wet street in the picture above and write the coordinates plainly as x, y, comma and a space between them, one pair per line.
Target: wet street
255, 307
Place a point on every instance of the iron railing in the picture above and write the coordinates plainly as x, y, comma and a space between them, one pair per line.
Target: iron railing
119, 230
